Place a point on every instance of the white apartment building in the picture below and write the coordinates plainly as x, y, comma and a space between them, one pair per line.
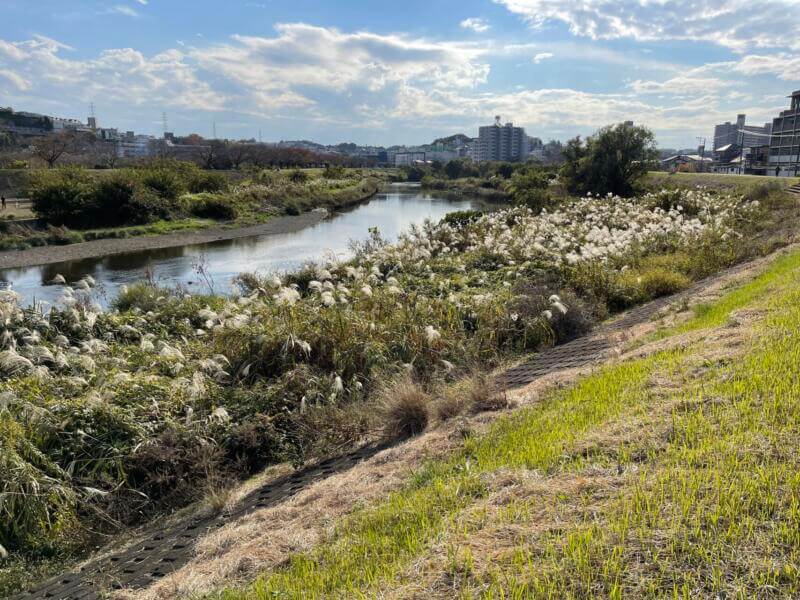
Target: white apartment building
501, 143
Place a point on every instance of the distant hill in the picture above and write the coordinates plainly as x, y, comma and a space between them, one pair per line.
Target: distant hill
458, 139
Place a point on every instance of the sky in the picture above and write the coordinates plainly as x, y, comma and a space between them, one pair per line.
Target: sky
376, 72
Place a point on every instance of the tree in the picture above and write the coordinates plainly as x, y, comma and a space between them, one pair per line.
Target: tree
51, 148
530, 187
460, 167
553, 152
7, 140
612, 160
210, 153
238, 153
105, 154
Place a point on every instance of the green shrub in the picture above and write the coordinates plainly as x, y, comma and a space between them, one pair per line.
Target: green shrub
112, 196
334, 172
145, 206
656, 282
205, 181
298, 176
62, 196
166, 183
461, 218
534, 198
218, 209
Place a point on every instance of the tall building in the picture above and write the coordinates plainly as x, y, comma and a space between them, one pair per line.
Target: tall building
501, 142
784, 146
740, 135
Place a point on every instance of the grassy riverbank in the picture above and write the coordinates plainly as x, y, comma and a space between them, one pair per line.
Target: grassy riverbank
168, 197
684, 456
124, 414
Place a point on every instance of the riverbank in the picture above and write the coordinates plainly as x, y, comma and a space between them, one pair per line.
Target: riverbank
45, 255
171, 398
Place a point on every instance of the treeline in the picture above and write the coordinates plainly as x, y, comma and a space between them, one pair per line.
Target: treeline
519, 183
613, 160
215, 154
85, 149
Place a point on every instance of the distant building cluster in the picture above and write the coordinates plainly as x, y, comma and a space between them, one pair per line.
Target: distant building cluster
738, 148
497, 142
502, 142
125, 145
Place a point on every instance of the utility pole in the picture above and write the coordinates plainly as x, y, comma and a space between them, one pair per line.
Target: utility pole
214, 129
164, 123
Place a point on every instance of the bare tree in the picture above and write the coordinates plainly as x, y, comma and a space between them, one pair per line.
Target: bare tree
105, 153
210, 153
51, 148
239, 153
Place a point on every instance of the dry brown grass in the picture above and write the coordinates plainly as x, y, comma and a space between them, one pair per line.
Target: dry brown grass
473, 394
404, 409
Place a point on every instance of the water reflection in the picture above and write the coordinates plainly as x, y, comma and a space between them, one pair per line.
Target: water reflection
391, 212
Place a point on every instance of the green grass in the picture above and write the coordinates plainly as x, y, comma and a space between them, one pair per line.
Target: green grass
375, 544
717, 179
711, 497
716, 514
780, 273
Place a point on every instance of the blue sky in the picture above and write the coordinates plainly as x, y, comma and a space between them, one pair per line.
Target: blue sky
401, 72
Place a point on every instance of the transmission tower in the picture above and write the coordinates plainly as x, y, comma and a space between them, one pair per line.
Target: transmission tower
701, 150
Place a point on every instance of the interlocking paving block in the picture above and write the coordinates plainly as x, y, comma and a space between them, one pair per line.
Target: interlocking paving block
159, 553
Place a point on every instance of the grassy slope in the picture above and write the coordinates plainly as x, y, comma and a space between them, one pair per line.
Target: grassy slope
705, 495
717, 179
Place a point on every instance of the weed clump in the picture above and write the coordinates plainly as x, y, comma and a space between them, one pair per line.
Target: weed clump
405, 409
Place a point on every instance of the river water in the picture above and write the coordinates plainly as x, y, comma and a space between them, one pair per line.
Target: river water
392, 211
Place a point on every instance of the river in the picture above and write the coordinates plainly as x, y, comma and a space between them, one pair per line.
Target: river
392, 211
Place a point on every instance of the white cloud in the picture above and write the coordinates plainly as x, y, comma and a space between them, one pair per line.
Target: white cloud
121, 9
681, 85
736, 24
782, 65
475, 24
16, 80
323, 71
142, 2
302, 59
119, 75
391, 86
